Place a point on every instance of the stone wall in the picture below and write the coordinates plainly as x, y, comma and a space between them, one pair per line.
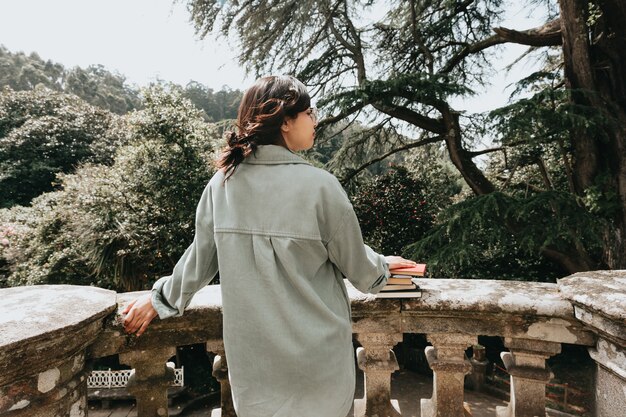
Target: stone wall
44, 333
599, 300
50, 334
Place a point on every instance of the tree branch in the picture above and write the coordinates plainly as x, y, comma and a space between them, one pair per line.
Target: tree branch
416, 119
474, 154
358, 54
573, 264
546, 35
388, 154
336, 118
418, 41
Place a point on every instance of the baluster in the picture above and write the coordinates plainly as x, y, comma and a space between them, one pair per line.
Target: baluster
151, 379
526, 363
220, 372
378, 361
447, 360
479, 368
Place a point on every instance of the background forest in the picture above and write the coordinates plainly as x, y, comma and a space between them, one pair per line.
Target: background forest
99, 180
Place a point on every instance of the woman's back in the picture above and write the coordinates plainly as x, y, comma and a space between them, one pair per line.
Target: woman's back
287, 330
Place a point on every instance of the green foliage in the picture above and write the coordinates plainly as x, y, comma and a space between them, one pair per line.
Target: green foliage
500, 236
95, 85
101, 88
217, 105
409, 88
22, 72
396, 208
122, 226
321, 40
43, 133
548, 115
39, 248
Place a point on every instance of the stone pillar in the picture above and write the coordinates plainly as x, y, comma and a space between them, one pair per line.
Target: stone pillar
151, 379
447, 360
479, 368
610, 398
220, 372
526, 363
599, 299
378, 361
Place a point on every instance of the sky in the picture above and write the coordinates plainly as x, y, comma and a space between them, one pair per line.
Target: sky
146, 40
141, 39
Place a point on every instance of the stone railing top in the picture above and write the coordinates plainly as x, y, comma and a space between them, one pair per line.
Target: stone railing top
202, 321
601, 291
483, 296
43, 326
208, 298
34, 311
506, 308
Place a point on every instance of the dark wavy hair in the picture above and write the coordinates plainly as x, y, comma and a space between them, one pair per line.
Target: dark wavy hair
263, 109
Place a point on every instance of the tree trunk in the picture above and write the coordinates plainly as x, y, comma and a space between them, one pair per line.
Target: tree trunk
594, 67
460, 157
579, 77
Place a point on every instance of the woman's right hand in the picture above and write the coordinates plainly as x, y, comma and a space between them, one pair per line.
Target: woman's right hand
140, 313
396, 262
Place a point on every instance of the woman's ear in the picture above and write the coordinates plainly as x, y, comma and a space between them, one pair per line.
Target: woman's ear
286, 126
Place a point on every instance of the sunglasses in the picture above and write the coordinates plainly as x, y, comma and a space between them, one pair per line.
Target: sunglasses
312, 112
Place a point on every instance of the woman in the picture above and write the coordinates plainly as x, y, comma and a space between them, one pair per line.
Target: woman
283, 235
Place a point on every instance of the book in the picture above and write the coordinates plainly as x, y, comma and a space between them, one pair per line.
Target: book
399, 280
400, 291
405, 290
416, 271
399, 287
400, 294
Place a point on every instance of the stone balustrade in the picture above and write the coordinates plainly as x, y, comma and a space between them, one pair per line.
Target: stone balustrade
49, 335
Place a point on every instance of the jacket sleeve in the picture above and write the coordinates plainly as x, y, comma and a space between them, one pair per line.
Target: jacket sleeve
363, 267
195, 269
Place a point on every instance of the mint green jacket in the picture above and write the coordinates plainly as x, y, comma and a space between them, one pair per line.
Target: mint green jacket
282, 235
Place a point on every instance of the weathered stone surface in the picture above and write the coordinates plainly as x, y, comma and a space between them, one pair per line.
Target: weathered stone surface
151, 379
599, 299
520, 311
611, 357
44, 331
378, 361
526, 363
220, 372
27, 313
377, 322
478, 375
40, 326
447, 360
202, 321
50, 393
503, 308
366, 303
489, 296
610, 396
601, 291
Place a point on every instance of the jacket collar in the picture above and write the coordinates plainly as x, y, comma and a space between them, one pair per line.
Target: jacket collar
273, 155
